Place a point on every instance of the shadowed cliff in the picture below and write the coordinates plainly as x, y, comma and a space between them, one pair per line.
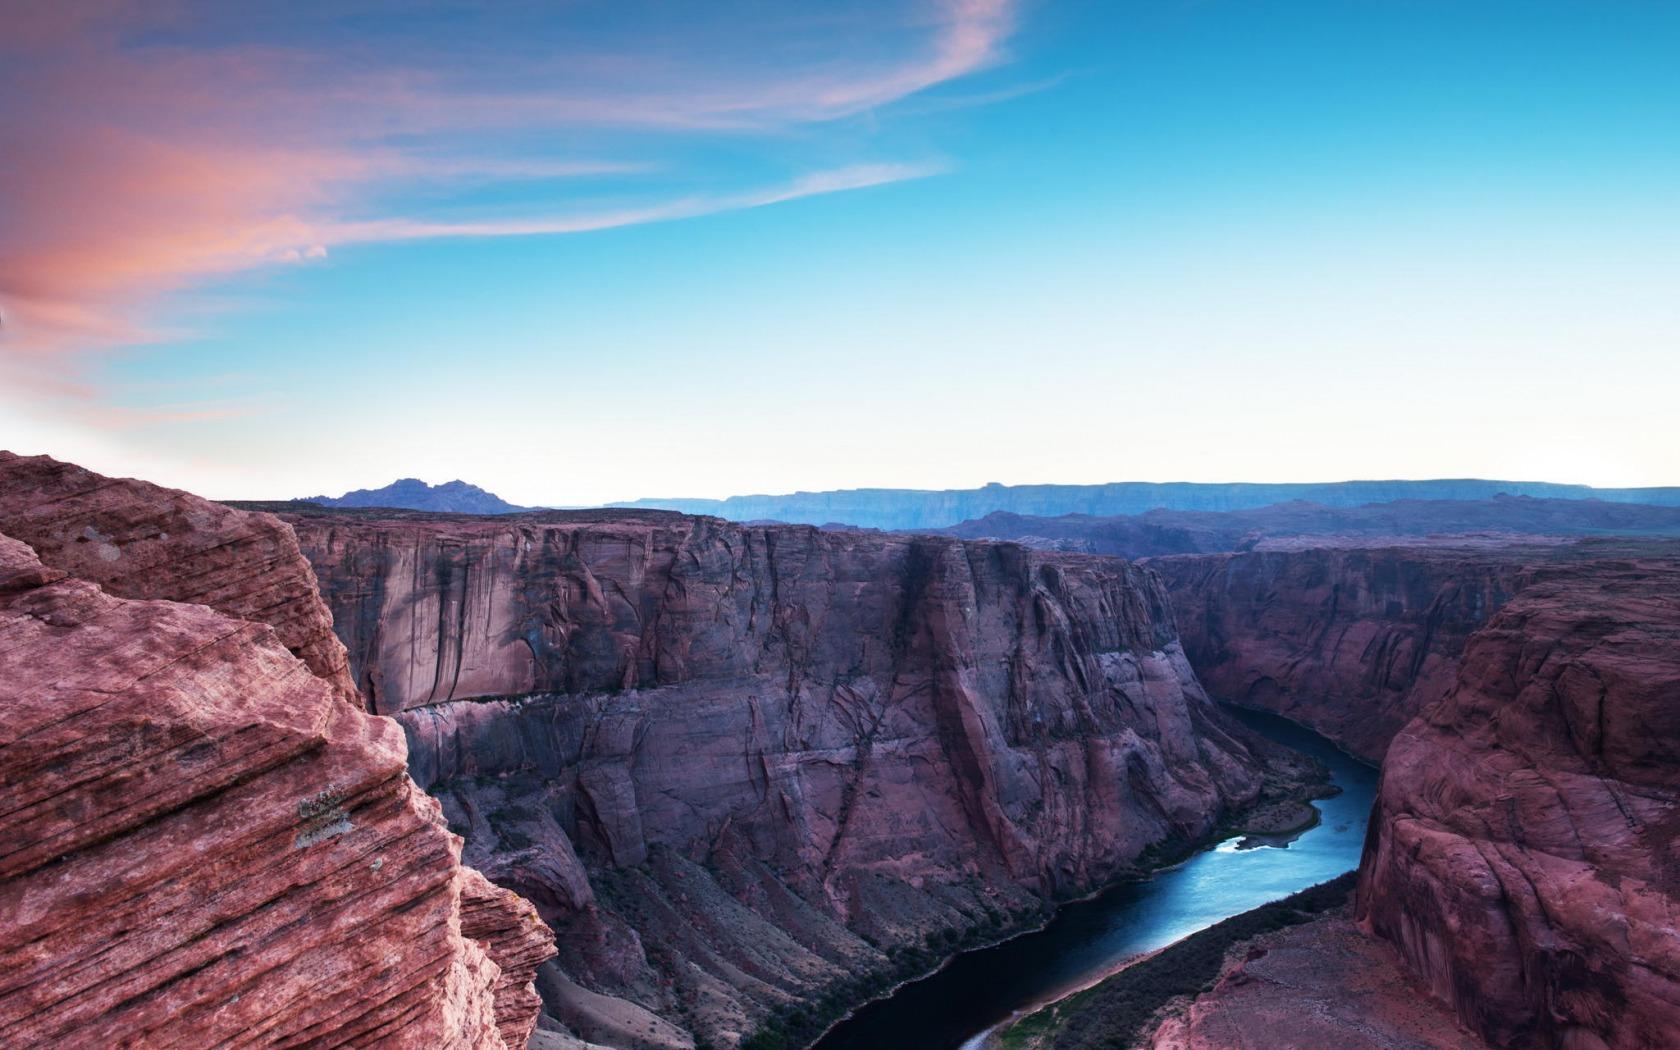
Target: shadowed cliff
750, 772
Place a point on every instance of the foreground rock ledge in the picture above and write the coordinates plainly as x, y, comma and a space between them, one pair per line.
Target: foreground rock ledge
139, 540
205, 847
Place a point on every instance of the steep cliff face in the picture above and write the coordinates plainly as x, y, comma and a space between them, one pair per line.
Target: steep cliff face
204, 846
1524, 854
137, 540
1351, 642
744, 769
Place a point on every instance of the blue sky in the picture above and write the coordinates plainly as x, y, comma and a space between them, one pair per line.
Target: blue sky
608, 251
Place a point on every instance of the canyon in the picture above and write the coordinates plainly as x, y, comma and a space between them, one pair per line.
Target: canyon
1519, 868
1353, 642
629, 778
745, 770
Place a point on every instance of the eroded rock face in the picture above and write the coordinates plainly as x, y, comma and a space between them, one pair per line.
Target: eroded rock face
740, 768
1352, 642
138, 540
1524, 854
205, 846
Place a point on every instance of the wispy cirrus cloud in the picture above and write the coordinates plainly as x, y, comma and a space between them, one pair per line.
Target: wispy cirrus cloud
146, 148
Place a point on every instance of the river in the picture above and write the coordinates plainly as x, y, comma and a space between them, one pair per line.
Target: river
1089, 939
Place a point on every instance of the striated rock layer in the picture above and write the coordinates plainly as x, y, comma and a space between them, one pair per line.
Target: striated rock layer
137, 540
204, 847
1352, 642
1524, 855
745, 769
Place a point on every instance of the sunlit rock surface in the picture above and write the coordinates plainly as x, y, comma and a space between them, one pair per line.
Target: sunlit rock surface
138, 540
205, 845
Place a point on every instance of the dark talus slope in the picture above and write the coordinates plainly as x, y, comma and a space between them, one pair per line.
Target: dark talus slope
936, 509
1352, 642
744, 770
1297, 524
138, 540
204, 846
1524, 854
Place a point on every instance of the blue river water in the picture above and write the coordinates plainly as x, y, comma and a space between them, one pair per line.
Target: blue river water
1089, 939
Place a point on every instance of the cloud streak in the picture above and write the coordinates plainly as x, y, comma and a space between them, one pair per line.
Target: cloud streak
145, 150
838, 180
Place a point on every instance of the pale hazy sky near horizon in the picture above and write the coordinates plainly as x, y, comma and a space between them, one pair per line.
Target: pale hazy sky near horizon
586, 252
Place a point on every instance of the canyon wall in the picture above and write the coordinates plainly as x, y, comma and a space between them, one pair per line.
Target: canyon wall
207, 842
1352, 642
1522, 858
1524, 854
745, 770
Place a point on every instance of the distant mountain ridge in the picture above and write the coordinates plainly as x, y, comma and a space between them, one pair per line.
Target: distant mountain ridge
1160, 532
453, 497
936, 509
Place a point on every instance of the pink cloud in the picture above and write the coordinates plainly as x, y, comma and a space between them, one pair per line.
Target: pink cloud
146, 148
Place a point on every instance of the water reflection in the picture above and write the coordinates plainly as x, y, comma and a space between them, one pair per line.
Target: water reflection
1091, 938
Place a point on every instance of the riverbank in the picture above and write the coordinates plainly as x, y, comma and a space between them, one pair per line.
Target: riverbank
1119, 1009
1177, 889
1171, 890
1277, 811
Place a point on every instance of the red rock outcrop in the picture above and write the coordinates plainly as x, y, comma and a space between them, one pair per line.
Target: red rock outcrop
204, 847
742, 767
138, 540
1524, 854
205, 838
1351, 642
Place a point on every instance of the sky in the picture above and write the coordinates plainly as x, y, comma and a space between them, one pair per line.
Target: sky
579, 252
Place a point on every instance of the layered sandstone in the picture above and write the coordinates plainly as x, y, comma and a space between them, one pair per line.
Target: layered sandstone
1524, 855
138, 540
204, 846
1353, 642
744, 769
